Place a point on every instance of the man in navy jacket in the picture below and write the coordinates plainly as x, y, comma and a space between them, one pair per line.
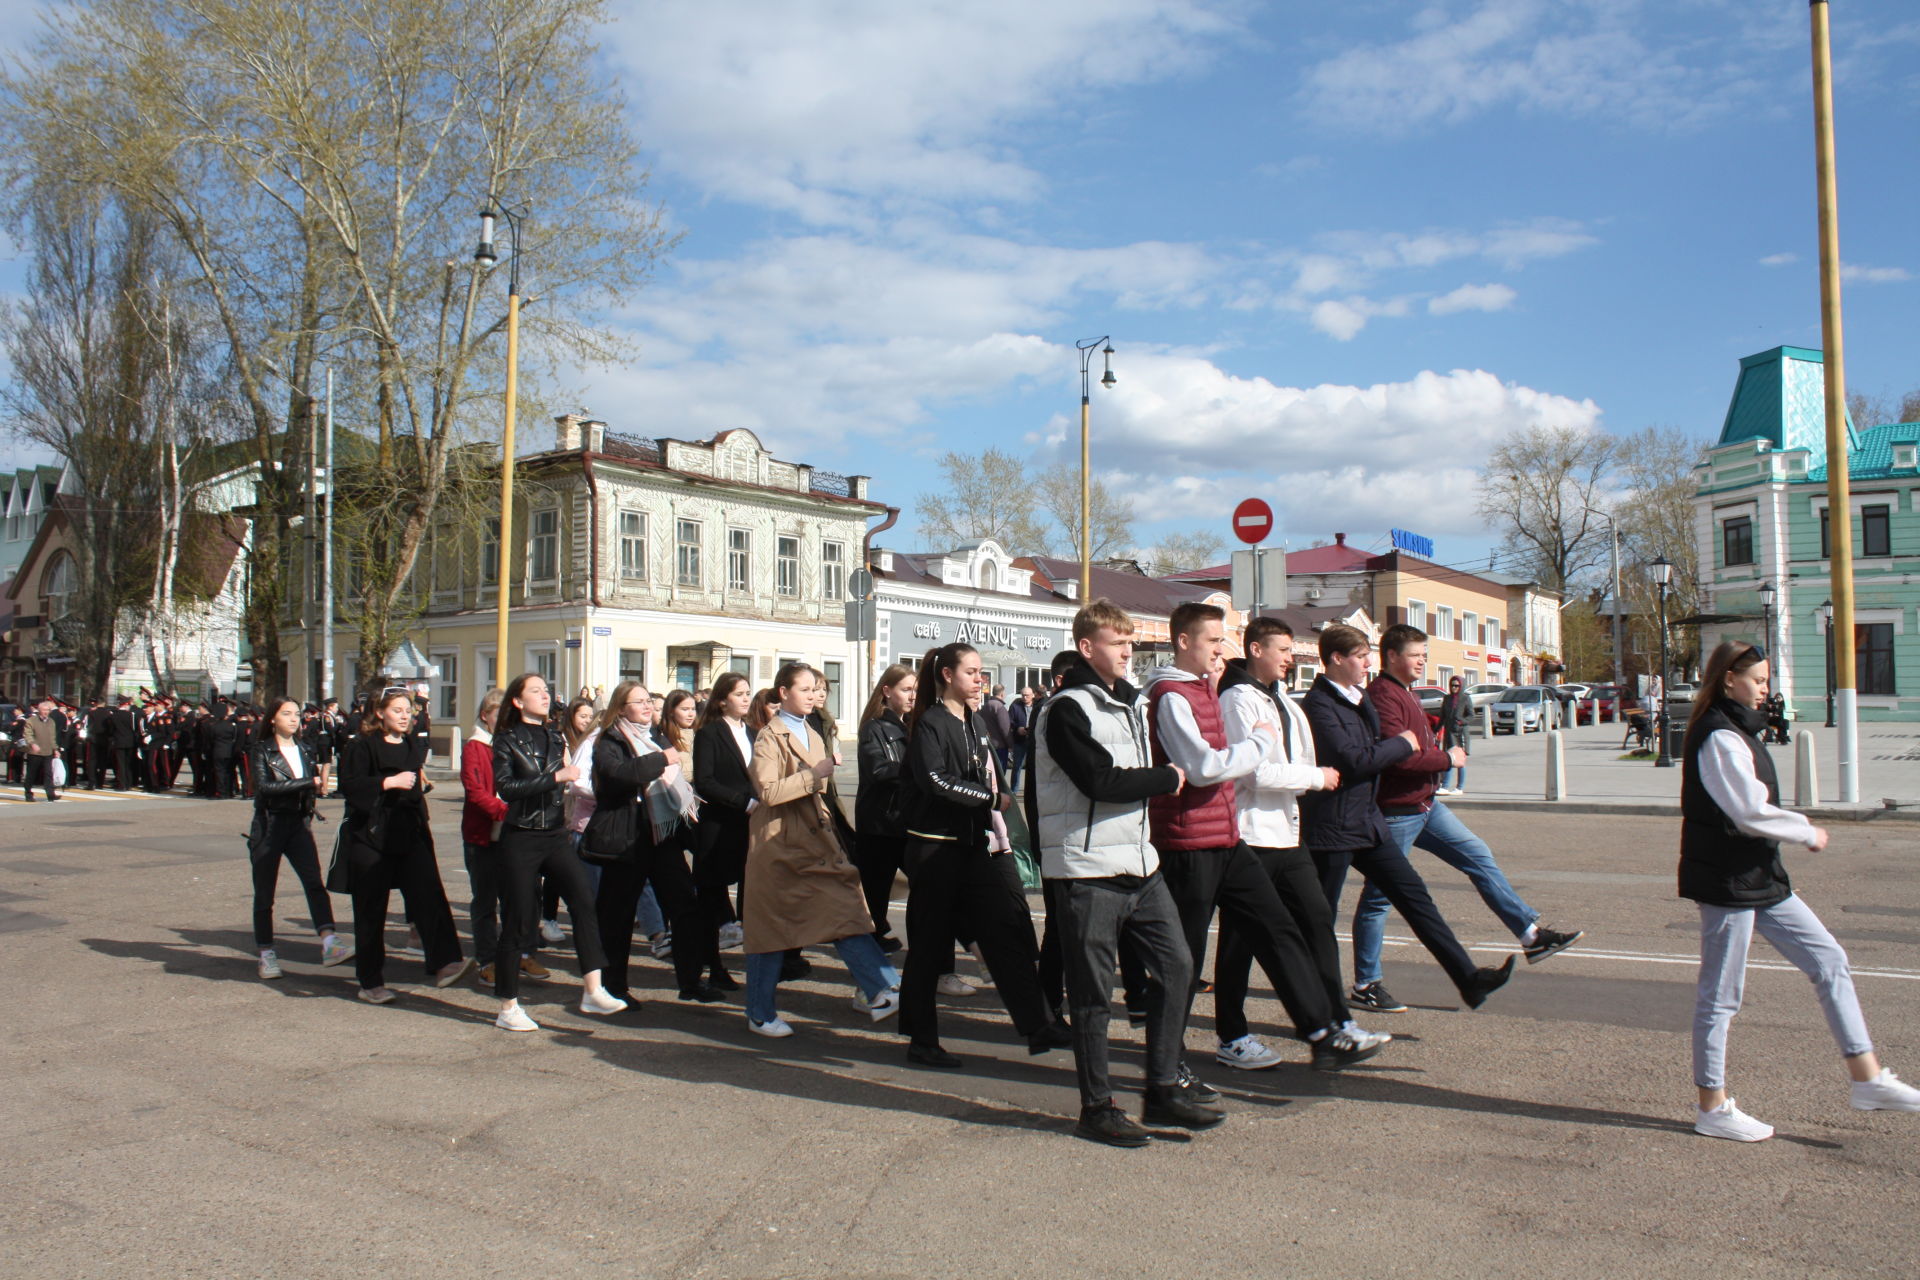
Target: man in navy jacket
1344, 826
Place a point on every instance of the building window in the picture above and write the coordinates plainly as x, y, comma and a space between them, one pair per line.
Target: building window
633, 666
1417, 614
1491, 634
58, 587
1826, 536
1443, 623
686, 553
1875, 537
446, 562
833, 571
1444, 674
546, 665
1873, 646
1736, 541
449, 664
1470, 628
490, 552
832, 671
633, 545
739, 560
742, 664
543, 549
787, 567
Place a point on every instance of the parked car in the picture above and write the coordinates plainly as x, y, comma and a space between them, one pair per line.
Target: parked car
1483, 695
1598, 698
1522, 709
1430, 696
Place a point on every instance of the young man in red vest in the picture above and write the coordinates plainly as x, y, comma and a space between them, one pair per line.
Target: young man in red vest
1197, 832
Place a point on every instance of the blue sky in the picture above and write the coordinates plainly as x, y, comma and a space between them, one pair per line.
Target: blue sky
1341, 249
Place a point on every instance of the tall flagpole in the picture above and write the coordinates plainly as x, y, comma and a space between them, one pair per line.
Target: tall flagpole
1839, 485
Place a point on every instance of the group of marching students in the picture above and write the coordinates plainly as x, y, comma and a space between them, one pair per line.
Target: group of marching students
703, 826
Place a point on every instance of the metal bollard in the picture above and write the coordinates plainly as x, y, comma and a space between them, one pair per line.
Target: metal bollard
1486, 722
453, 745
1556, 765
1806, 771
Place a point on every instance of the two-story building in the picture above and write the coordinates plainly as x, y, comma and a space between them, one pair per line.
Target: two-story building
634, 558
1761, 517
1536, 652
976, 594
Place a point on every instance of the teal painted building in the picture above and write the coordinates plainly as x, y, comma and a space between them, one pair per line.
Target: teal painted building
1760, 515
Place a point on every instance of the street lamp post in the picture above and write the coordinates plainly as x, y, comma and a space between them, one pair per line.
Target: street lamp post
1767, 590
1662, 574
1086, 350
486, 257
1826, 621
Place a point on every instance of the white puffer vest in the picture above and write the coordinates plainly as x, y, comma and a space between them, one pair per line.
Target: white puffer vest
1081, 838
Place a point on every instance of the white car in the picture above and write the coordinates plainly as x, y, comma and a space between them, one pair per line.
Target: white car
1481, 695
1522, 709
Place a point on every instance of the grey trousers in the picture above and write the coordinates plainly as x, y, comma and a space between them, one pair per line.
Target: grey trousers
1092, 916
1797, 934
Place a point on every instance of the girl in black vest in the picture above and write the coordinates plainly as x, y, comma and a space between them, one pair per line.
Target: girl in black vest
953, 884
283, 828
387, 845
1730, 835
880, 839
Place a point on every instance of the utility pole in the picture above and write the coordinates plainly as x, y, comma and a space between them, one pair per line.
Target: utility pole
326, 561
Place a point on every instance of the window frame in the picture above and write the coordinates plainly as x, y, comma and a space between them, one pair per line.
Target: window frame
1883, 518
1743, 524
741, 558
633, 568
1874, 663
786, 566
833, 571
549, 541
687, 570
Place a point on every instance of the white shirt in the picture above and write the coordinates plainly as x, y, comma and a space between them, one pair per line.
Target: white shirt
1351, 694
1726, 769
741, 740
290, 752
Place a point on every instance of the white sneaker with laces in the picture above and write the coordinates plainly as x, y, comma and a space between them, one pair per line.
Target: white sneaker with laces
334, 950
270, 969
732, 935
1885, 1092
885, 1005
1249, 1053
599, 1002
952, 984
515, 1019
773, 1030
550, 931
1730, 1122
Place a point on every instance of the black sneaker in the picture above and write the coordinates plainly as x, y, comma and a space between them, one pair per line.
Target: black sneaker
1548, 942
1050, 1037
1109, 1124
932, 1055
1374, 998
1485, 982
703, 993
1175, 1105
1136, 1017
1192, 1089
1347, 1046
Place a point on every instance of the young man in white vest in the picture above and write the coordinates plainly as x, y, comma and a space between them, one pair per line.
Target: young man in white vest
1091, 779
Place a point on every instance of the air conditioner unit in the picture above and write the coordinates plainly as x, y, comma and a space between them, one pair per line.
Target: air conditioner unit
1312, 593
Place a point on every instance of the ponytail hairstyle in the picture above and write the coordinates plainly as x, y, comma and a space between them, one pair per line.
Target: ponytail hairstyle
933, 678
723, 688
1727, 657
889, 678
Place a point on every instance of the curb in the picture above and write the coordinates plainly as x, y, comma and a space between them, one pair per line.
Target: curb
1670, 809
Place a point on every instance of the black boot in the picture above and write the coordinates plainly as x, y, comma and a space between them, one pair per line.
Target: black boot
1170, 1104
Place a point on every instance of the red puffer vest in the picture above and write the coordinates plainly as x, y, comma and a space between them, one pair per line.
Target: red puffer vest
1199, 817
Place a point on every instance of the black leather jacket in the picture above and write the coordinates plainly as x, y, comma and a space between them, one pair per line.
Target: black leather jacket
525, 758
950, 792
275, 789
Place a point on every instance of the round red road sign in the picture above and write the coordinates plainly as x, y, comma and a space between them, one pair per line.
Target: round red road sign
1252, 521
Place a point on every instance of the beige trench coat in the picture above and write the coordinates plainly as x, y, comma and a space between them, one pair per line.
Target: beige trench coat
800, 887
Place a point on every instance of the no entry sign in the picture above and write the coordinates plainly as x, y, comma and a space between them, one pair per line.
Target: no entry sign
1252, 521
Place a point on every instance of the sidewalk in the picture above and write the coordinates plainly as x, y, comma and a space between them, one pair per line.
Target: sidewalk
1509, 771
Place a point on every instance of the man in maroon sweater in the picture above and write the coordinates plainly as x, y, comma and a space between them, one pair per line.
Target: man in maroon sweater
1204, 861
1415, 819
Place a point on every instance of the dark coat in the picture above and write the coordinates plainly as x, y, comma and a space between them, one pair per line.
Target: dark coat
620, 776
883, 755
1347, 737
950, 791
721, 779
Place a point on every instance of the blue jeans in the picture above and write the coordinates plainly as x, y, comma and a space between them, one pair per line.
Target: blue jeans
1447, 838
861, 954
1455, 778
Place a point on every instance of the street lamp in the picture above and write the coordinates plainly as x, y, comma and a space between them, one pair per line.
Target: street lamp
1662, 569
1767, 590
487, 257
1086, 350
1826, 625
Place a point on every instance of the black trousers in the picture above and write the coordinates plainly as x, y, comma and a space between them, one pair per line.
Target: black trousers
1233, 881
407, 865
1053, 974
878, 858
96, 764
222, 777
522, 857
1096, 917
621, 884
1388, 870
1295, 878
714, 870
950, 886
276, 836
483, 907
40, 774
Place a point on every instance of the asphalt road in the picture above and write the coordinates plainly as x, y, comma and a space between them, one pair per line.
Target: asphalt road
167, 1114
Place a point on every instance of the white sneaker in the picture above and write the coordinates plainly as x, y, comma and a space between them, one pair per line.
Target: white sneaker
515, 1019
551, 932
981, 960
270, 969
599, 1002
334, 950
1885, 1092
1729, 1121
952, 984
661, 944
732, 936
377, 995
1249, 1053
774, 1030
885, 1005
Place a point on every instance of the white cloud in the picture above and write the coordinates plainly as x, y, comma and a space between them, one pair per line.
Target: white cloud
1855, 273
1779, 259
1343, 318
1472, 297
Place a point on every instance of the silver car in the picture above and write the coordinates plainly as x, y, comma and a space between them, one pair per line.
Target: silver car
1484, 695
1522, 709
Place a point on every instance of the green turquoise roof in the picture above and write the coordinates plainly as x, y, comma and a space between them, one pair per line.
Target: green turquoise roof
1780, 397
1872, 454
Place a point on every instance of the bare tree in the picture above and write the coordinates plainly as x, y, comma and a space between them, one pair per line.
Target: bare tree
1656, 519
1179, 552
987, 495
1112, 514
1540, 491
1868, 411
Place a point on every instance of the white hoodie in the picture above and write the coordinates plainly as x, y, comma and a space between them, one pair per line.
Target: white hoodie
1269, 801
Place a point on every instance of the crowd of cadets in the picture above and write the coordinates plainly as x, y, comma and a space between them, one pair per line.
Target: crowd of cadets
708, 823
